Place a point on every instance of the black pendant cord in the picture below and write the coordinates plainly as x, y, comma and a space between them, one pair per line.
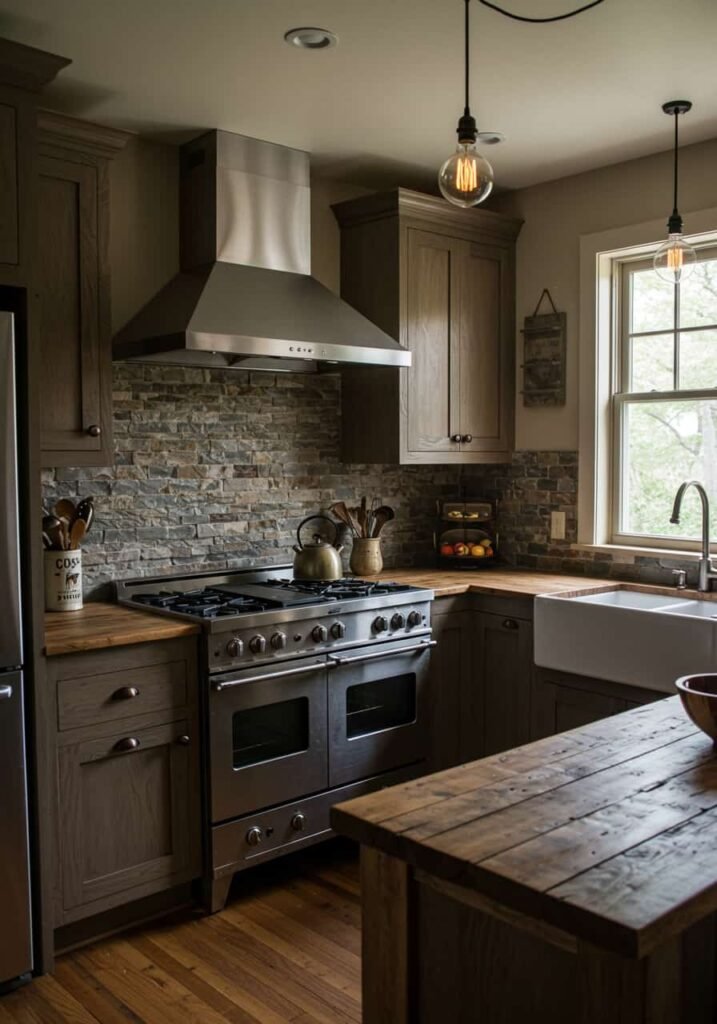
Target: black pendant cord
467, 108
675, 212
539, 21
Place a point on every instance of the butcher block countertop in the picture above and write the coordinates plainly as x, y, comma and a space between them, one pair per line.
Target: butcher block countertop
101, 624
498, 582
604, 835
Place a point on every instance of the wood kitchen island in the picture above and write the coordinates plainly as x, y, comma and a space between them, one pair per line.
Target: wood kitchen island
570, 880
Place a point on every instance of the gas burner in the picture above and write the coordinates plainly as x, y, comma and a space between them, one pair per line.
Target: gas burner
204, 604
339, 590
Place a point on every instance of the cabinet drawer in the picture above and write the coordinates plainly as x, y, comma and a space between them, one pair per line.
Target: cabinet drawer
113, 696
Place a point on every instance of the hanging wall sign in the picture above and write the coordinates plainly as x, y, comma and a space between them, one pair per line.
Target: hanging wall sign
544, 344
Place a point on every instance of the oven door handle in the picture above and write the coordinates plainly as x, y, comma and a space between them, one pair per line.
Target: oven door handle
318, 667
417, 649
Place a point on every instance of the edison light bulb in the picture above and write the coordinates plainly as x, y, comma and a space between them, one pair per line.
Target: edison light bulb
675, 259
466, 178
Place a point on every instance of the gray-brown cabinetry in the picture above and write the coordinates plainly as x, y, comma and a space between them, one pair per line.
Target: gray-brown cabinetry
128, 774
72, 282
441, 282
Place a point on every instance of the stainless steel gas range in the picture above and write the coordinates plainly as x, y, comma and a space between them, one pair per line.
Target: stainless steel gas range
312, 693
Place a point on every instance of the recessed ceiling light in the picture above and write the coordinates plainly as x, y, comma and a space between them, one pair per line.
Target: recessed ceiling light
490, 138
310, 38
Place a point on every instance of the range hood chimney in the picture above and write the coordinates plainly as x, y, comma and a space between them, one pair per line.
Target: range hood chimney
244, 297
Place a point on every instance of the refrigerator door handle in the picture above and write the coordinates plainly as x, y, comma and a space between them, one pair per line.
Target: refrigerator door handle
5, 692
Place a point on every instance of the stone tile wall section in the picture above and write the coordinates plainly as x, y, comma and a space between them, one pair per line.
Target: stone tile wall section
216, 469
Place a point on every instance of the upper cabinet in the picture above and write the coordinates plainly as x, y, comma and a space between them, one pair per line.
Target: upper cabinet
24, 71
441, 281
72, 282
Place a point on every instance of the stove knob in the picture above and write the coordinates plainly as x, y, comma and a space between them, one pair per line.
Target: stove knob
319, 634
380, 624
235, 647
398, 621
278, 641
257, 644
254, 836
338, 630
298, 822
414, 619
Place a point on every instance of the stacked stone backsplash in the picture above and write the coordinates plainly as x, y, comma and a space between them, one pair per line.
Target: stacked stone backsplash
216, 469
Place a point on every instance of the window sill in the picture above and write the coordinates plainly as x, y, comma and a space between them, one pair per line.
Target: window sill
626, 553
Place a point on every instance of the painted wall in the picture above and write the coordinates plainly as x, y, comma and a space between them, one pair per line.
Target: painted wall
556, 214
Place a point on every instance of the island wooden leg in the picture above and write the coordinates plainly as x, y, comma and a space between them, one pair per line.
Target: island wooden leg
625, 991
387, 939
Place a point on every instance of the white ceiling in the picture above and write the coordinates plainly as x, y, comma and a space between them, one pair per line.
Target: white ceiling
382, 106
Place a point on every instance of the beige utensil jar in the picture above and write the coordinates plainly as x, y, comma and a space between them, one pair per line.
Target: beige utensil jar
366, 559
63, 581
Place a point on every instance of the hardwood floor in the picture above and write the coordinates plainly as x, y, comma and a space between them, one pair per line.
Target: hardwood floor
285, 949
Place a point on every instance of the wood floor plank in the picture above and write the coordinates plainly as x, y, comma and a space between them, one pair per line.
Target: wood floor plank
86, 988
47, 1002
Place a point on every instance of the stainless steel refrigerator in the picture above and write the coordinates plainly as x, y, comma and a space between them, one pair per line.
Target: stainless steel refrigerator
16, 928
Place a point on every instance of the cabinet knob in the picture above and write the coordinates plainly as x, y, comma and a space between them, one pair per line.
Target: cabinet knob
125, 693
127, 744
467, 438
298, 822
456, 438
510, 624
184, 740
94, 430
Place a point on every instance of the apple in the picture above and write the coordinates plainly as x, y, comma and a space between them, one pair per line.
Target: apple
461, 549
447, 550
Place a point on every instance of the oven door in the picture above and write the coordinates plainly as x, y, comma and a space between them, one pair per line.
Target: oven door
377, 709
267, 736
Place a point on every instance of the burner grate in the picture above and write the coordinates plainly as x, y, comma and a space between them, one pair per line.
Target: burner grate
205, 604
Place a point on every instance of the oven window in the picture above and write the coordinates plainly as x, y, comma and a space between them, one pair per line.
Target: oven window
381, 704
270, 731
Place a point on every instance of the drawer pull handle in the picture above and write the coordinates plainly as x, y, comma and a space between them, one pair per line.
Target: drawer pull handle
184, 740
127, 744
125, 693
510, 624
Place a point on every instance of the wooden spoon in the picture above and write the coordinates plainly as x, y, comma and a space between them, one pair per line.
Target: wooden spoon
384, 514
77, 533
65, 509
342, 513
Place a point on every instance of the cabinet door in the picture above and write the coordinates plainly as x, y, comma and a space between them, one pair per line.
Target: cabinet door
432, 388
74, 336
484, 370
450, 677
558, 706
498, 712
129, 816
9, 197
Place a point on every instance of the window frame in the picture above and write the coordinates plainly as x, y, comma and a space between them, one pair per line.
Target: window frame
598, 253
622, 397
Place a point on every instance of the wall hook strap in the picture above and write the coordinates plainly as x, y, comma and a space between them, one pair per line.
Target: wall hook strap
550, 300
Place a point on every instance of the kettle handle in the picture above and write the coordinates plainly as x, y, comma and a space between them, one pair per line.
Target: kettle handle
309, 519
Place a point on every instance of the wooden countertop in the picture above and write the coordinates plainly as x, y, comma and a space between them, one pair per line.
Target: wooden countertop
99, 625
606, 833
499, 582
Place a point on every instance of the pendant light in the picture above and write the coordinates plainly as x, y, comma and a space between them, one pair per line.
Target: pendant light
466, 178
675, 259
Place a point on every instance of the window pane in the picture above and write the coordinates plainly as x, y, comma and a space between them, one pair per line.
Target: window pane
698, 359
698, 295
651, 363
652, 302
664, 444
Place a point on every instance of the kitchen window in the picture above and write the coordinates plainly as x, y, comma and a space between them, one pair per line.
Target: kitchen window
664, 400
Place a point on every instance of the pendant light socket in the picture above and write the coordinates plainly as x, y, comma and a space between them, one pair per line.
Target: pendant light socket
675, 258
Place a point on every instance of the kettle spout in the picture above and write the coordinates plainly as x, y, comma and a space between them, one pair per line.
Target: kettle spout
297, 549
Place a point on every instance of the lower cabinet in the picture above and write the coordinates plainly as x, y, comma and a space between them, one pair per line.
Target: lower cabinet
487, 695
128, 775
501, 694
561, 701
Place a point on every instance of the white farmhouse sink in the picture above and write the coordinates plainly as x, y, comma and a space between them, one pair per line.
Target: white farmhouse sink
625, 636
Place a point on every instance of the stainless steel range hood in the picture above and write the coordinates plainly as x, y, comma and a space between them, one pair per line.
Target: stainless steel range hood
245, 297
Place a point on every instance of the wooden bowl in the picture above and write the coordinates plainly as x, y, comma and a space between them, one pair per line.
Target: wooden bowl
699, 699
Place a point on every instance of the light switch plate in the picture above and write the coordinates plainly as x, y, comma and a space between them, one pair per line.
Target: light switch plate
557, 526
